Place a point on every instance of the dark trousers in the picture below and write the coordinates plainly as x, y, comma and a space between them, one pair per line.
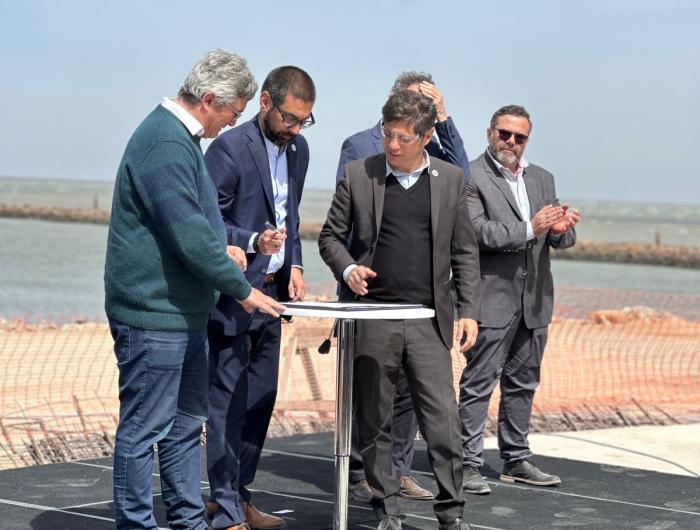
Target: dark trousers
243, 374
404, 427
511, 355
382, 349
163, 400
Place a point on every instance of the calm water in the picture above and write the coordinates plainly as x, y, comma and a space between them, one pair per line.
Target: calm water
603, 221
55, 269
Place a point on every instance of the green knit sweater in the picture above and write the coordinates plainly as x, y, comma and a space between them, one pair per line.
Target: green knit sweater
166, 250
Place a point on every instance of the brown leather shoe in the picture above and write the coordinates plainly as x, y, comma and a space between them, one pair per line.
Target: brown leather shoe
360, 491
211, 509
258, 520
411, 490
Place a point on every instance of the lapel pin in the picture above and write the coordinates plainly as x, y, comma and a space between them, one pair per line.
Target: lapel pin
294, 147
434, 172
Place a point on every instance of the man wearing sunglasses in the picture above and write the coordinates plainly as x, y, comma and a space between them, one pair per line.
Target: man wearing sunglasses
446, 145
517, 218
397, 230
259, 170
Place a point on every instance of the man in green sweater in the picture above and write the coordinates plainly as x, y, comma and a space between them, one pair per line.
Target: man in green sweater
167, 261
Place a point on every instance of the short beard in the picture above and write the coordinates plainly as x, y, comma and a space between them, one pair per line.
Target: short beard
507, 159
276, 138
503, 158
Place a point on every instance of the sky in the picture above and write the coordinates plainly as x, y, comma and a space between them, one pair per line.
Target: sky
613, 86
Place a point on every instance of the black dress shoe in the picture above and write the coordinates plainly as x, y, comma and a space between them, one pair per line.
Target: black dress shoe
527, 473
473, 482
457, 524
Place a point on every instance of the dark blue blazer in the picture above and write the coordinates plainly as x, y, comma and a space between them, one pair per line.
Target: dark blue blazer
237, 163
369, 142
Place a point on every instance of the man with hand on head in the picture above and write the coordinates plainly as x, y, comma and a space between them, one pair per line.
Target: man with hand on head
517, 218
448, 146
397, 229
259, 170
166, 259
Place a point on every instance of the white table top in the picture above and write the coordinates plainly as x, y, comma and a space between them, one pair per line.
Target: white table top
357, 310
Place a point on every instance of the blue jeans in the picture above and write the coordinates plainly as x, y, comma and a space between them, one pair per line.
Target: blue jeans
162, 400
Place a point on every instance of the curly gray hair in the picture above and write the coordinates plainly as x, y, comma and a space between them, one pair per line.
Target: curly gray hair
223, 73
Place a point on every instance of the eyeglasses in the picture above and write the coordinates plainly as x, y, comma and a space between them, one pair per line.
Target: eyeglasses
233, 111
504, 135
290, 120
401, 138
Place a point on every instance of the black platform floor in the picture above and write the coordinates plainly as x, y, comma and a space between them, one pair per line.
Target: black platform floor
295, 480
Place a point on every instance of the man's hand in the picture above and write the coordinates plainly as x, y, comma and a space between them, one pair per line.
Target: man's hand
297, 287
270, 241
237, 255
357, 279
547, 217
431, 91
567, 223
261, 302
467, 330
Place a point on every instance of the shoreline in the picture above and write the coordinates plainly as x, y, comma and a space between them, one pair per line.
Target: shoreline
584, 250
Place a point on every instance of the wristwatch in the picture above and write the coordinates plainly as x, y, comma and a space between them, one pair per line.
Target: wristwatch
256, 243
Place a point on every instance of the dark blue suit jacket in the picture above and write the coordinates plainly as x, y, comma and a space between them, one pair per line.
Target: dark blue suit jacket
369, 142
238, 164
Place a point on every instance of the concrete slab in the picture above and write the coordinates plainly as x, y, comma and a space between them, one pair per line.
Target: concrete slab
673, 449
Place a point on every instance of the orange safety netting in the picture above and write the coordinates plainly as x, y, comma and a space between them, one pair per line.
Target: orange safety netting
614, 357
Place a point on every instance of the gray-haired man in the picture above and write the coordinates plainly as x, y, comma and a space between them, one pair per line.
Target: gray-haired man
407, 213
166, 259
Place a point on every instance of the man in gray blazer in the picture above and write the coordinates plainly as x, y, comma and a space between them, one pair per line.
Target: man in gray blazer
405, 214
448, 146
517, 218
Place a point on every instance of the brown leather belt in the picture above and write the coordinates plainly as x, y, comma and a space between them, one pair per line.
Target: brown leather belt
269, 278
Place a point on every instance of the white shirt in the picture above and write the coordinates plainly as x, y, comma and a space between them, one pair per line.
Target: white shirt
409, 179
277, 160
181, 113
517, 186
277, 157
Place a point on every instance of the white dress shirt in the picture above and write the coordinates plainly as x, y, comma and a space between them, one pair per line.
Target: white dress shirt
517, 186
191, 123
277, 160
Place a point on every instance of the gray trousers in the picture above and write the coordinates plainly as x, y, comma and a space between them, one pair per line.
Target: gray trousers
511, 355
404, 428
382, 347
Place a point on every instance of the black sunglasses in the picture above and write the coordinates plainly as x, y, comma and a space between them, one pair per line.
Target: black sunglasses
505, 134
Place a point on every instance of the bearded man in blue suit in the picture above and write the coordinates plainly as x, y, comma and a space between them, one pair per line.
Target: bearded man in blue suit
259, 170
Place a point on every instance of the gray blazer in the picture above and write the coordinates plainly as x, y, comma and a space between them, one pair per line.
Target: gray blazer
515, 274
357, 207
